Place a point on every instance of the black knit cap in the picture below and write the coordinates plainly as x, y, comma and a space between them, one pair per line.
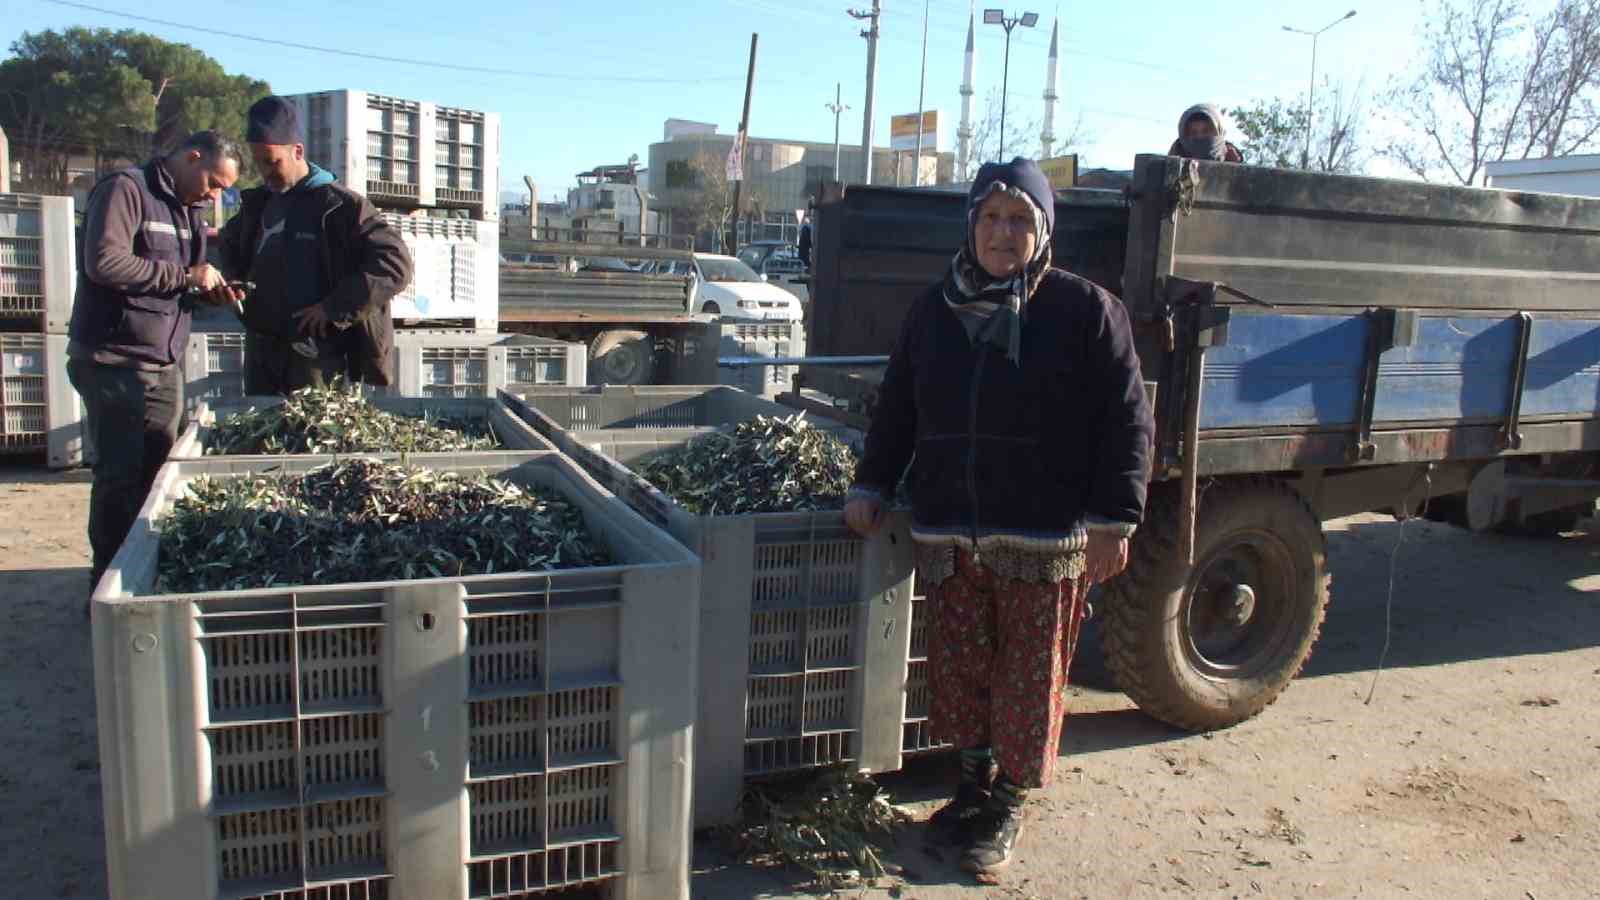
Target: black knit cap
1021, 173
273, 120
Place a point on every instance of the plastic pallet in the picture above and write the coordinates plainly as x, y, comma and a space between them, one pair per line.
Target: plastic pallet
822, 615
488, 736
512, 430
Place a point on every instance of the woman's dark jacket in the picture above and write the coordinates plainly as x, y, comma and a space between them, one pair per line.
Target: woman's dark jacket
1042, 449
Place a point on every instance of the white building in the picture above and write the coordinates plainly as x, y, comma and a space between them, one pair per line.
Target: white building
1578, 175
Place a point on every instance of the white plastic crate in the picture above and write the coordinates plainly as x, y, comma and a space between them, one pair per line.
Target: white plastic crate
213, 368
38, 261
407, 153
488, 736
456, 275
460, 364
39, 410
919, 736
513, 432
822, 616
767, 339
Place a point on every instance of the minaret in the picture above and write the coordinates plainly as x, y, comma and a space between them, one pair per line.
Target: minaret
1047, 138
964, 133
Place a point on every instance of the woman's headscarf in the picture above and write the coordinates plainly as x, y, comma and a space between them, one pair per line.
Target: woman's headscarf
992, 309
1213, 147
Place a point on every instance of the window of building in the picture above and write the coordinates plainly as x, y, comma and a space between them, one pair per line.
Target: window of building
680, 174
607, 200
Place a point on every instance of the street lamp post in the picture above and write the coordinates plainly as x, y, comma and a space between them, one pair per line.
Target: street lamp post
999, 17
837, 107
1311, 95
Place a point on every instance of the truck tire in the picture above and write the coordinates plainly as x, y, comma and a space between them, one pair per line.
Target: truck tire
1210, 645
622, 357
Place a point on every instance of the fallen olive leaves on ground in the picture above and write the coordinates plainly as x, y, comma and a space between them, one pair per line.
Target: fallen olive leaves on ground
835, 828
363, 520
341, 419
767, 464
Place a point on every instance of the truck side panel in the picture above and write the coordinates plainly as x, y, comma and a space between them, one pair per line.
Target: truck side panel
1303, 238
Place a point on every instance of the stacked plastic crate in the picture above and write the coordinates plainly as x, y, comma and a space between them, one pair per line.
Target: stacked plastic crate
806, 624
436, 171
505, 735
39, 411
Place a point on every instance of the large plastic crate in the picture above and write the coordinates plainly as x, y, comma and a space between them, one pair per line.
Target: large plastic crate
39, 410
403, 152
213, 368
38, 268
455, 271
813, 622
489, 736
513, 431
919, 736
459, 364
765, 339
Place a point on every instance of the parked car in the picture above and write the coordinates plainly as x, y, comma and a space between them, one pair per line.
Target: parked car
780, 262
756, 253
726, 287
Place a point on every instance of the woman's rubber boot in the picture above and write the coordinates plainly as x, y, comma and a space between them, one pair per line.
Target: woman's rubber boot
949, 826
995, 830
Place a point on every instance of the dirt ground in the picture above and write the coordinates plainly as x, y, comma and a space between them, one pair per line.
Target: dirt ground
1474, 771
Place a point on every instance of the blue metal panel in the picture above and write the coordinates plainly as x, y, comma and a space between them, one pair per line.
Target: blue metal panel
1563, 369
1279, 369
1459, 368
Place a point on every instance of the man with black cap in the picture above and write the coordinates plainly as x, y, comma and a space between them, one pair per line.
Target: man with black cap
1015, 397
324, 262
143, 264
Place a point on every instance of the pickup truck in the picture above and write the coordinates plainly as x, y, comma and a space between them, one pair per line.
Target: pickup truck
1316, 346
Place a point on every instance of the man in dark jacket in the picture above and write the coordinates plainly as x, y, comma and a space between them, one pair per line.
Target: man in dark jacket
324, 263
141, 267
1015, 397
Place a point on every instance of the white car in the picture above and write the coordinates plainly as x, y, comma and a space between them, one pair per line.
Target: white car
726, 287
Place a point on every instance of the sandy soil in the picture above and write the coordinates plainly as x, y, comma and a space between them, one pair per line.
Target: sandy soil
1471, 773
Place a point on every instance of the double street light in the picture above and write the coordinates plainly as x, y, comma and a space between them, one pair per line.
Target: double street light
1311, 97
999, 17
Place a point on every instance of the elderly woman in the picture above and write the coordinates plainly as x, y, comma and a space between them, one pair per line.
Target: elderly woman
1200, 136
1016, 390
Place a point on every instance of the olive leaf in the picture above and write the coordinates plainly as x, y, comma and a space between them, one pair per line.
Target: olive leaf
766, 464
339, 418
363, 520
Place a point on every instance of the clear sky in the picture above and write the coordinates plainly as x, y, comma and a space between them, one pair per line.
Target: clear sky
580, 84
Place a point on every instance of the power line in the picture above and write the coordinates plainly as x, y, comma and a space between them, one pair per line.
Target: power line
356, 54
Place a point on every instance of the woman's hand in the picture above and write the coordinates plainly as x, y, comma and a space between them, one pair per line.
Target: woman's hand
1105, 557
864, 515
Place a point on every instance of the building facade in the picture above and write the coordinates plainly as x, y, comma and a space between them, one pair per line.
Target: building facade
782, 176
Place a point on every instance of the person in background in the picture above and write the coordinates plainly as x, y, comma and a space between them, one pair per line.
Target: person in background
142, 265
324, 262
1200, 136
1015, 397
804, 247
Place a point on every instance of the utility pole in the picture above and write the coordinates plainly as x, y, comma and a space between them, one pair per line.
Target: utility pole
922, 87
871, 34
837, 107
739, 142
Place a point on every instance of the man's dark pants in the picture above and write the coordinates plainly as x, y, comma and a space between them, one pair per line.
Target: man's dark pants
132, 419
